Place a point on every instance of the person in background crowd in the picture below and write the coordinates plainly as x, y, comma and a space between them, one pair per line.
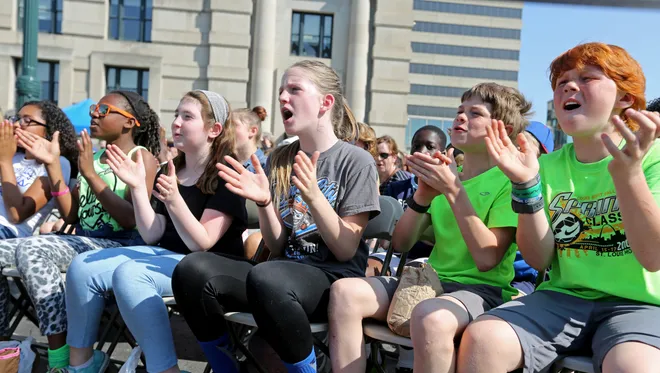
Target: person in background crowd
386, 163
25, 195
248, 136
194, 213
101, 205
591, 212
367, 139
459, 156
167, 149
267, 142
313, 208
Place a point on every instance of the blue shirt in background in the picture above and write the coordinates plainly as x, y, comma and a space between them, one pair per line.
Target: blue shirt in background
262, 160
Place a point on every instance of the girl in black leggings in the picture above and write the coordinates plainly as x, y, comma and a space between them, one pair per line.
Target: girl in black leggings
313, 207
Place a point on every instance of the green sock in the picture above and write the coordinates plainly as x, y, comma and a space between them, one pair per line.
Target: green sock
59, 358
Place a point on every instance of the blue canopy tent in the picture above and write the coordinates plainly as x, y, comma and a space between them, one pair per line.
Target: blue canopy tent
78, 114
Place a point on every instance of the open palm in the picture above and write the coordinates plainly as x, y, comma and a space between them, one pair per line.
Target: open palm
41, 149
519, 166
252, 186
131, 173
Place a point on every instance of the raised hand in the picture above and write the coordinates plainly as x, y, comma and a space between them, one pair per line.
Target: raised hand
167, 185
85, 155
252, 186
628, 161
41, 149
305, 176
519, 166
7, 142
131, 173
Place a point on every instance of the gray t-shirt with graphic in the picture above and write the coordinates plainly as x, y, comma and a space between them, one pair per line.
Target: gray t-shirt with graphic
346, 174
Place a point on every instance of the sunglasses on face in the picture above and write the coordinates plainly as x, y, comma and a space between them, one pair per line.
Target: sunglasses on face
104, 109
26, 121
383, 155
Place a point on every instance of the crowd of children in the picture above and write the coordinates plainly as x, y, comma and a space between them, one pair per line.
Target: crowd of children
489, 212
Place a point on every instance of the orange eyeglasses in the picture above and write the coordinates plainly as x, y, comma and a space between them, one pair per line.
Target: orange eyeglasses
105, 109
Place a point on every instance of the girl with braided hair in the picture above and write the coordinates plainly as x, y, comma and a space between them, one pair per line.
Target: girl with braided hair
100, 206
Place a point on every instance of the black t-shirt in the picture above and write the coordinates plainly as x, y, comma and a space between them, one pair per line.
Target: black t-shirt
224, 201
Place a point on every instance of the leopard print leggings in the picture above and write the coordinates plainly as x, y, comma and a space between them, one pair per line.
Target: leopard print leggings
40, 260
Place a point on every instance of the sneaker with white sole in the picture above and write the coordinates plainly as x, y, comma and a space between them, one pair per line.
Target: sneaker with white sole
99, 364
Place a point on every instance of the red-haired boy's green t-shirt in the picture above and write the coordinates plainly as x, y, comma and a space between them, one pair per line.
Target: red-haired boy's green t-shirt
490, 195
593, 259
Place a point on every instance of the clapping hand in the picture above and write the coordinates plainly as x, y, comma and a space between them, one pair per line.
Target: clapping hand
628, 160
132, 173
519, 165
252, 186
43, 150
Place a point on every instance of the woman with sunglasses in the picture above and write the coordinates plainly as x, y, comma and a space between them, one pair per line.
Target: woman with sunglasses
100, 206
25, 197
386, 163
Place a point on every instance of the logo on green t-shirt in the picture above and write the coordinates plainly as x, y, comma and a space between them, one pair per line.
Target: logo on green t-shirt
588, 224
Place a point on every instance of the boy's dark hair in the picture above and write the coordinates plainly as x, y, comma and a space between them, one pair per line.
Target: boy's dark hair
438, 131
654, 105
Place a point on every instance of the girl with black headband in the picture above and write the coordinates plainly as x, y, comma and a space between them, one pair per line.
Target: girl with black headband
100, 206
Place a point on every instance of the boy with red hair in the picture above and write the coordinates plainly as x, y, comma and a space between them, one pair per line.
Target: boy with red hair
603, 294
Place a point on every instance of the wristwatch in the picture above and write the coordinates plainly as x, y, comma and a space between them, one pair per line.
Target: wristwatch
416, 206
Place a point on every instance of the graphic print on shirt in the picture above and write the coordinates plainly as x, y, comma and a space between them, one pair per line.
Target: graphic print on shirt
296, 216
25, 176
92, 215
588, 224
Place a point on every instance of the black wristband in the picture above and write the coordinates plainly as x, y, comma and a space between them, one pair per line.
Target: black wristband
416, 206
527, 208
264, 205
527, 184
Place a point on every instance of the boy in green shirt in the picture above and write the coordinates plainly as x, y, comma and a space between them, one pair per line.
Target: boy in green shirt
474, 227
603, 294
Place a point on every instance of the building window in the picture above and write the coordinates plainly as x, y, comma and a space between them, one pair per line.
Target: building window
126, 79
433, 90
448, 28
50, 16
432, 111
459, 50
478, 10
48, 73
130, 20
464, 72
311, 35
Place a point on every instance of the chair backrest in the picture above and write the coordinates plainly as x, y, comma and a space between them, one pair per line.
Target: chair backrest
382, 225
252, 214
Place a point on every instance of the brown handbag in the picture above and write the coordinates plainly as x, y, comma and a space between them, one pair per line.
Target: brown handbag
416, 285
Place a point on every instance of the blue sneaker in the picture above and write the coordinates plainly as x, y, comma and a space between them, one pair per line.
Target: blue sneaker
99, 364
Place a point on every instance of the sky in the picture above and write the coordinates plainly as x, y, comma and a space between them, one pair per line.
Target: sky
549, 29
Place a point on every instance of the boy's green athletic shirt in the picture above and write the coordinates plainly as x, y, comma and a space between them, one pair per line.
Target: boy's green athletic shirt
490, 195
593, 260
